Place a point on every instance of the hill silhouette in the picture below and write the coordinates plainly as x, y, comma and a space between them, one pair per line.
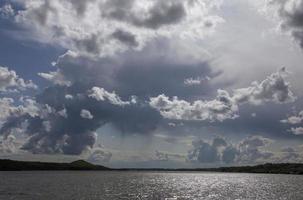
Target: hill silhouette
11, 165
269, 168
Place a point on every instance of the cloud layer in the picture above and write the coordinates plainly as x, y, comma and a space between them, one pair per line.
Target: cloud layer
79, 25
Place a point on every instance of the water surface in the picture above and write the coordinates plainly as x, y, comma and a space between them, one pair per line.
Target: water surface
147, 185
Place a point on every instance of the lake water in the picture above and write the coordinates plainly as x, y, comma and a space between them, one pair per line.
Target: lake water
147, 185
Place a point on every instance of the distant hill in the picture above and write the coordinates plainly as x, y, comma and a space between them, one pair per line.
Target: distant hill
10, 165
283, 168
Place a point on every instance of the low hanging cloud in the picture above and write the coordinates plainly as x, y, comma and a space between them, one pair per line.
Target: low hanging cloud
274, 88
8, 145
290, 13
79, 25
165, 156
100, 155
290, 154
247, 151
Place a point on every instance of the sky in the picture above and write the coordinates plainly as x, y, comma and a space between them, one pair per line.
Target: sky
152, 83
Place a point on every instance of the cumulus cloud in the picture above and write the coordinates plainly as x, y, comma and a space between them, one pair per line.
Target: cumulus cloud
10, 81
57, 123
274, 88
6, 107
220, 109
247, 151
79, 25
90, 86
250, 149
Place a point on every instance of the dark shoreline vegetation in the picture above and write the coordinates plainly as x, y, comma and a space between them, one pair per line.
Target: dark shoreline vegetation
81, 165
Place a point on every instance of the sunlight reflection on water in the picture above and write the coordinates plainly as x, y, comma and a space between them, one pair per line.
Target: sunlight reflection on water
151, 185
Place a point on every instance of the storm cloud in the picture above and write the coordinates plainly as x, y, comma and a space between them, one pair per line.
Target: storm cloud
291, 14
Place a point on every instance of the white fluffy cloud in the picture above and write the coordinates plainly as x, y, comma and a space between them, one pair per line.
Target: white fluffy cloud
100, 94
9, 109
274, 88
219, 109
295, 120
297, 130
103, 27
10, 81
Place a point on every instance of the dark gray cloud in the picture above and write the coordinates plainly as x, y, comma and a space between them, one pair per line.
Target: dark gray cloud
160, 14
229, 154
86, 94
125, 37
291, 13
158, 76
144, 74
74, 132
